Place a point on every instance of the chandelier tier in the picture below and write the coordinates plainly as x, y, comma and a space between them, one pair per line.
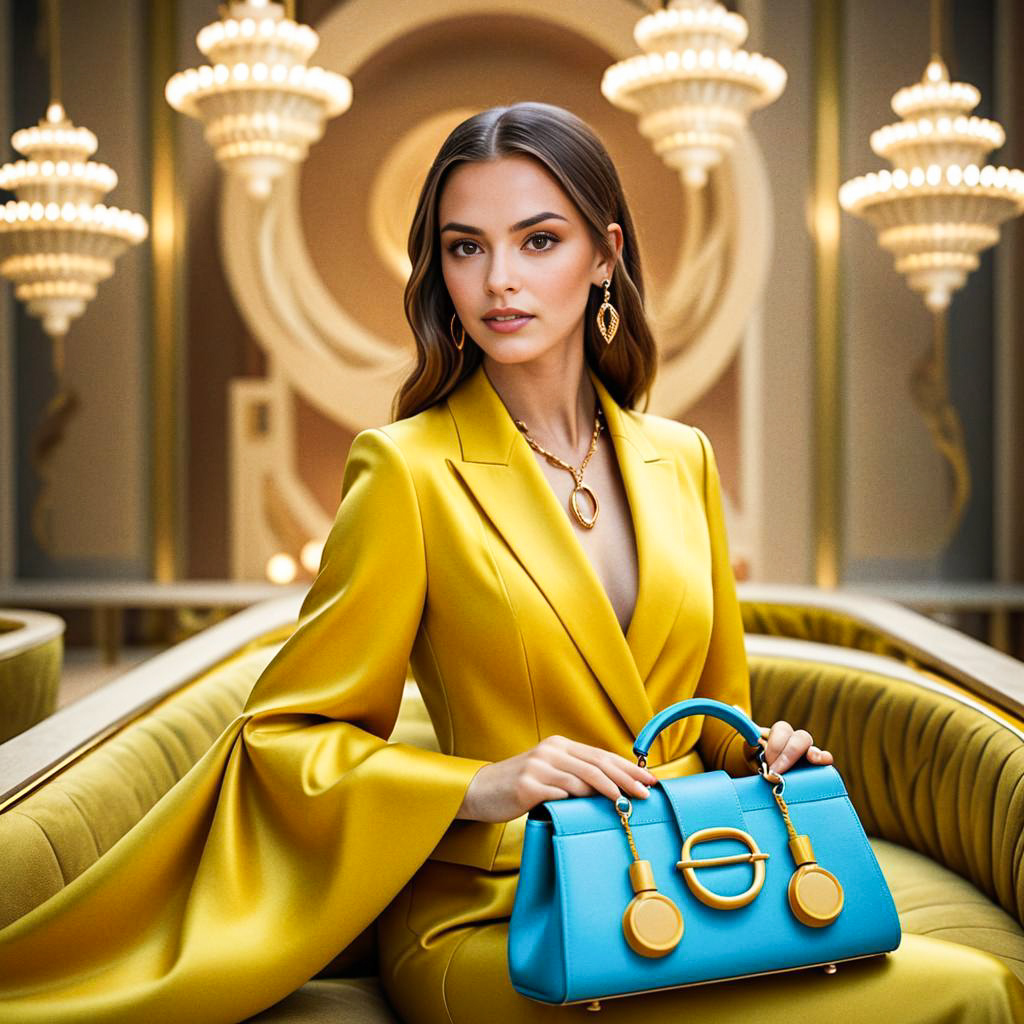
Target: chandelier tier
693, 88
57, 239
939, 207
262, 107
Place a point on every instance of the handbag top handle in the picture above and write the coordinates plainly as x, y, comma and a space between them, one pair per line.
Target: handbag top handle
695, 706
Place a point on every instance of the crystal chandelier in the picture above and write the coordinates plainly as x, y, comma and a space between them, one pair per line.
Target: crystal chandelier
692, 88
261, 105
57, 240
941, 205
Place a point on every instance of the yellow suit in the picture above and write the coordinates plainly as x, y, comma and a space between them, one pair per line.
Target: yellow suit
302, 823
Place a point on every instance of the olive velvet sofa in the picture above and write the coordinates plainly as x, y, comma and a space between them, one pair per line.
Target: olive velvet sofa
31, 655
926, 726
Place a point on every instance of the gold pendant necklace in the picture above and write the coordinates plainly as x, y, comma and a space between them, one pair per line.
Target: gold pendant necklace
577, 474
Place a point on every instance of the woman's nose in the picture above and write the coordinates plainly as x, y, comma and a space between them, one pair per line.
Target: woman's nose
501, 276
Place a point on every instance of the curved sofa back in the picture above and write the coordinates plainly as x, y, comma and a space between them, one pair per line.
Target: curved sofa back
31, 654
925, 766
53, 834
65, 824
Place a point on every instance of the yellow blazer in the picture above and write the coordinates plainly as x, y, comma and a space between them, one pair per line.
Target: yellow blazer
518, 639
450, 551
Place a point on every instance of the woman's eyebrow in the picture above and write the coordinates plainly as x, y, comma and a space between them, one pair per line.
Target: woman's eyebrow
518, 226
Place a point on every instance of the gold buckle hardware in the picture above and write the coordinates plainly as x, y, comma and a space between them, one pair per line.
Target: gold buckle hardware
755, 858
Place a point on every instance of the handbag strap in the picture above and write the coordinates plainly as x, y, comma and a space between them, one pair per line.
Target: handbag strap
695, 706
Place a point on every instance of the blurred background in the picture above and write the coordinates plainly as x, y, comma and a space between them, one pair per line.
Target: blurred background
172, 444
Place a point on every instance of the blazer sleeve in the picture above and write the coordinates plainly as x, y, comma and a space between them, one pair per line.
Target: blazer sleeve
292, 833
725, 675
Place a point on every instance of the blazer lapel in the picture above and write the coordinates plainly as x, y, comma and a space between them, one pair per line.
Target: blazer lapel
502, 473
653, 489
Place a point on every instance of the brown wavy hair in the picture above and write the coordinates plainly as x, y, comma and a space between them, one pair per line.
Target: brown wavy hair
568, 147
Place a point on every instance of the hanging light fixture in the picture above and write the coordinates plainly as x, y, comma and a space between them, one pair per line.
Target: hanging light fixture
261, 105
693, 88
938, 208
941, 205
57, 242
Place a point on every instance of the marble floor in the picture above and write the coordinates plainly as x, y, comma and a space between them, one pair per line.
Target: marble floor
85, 670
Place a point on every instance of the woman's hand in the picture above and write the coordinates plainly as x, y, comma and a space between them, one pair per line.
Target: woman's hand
784, 746
555, 768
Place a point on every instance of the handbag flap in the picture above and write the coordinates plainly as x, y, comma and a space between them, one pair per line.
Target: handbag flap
697, 801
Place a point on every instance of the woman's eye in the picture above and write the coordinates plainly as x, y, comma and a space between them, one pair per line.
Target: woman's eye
542, 236
457, 245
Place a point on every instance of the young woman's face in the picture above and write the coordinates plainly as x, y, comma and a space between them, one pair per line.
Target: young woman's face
511, 238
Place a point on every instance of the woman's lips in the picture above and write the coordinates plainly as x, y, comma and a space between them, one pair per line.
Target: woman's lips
508, 326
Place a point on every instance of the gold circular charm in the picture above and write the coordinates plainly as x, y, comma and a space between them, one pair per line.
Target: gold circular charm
574, 502
755, 858
815, 896
652, 924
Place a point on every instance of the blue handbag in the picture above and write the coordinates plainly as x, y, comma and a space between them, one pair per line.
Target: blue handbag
710, 878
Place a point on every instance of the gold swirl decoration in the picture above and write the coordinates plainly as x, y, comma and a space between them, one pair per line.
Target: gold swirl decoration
318, 270
59, 411
929, 387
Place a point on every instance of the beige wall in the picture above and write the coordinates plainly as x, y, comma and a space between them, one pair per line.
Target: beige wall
896, 494
895, 484
784, 434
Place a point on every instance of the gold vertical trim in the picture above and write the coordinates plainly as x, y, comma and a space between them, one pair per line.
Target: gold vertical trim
167, 241
828, 15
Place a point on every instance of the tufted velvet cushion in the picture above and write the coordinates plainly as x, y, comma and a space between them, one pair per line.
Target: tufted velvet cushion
352, 1000
932, 900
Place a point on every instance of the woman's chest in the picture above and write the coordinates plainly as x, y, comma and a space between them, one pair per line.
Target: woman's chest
610, 544
525, 613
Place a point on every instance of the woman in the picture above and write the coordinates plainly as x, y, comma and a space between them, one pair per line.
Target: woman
541, 645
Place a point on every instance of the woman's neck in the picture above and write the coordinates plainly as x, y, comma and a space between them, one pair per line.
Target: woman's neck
555, 399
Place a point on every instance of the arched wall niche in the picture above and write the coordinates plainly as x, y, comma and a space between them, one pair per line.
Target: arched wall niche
318, 271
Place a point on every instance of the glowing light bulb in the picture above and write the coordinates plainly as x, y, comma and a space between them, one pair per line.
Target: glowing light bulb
310, 556
281, 568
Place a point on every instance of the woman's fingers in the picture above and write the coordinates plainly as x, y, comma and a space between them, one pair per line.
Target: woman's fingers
603, 771
778, 737
612, 764
605, 758
795, 748
786, 745
627, 783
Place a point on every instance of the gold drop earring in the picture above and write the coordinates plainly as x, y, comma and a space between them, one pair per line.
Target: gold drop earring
607, 330
460, 341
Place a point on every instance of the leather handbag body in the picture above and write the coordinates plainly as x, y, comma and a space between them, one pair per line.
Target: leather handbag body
710, 878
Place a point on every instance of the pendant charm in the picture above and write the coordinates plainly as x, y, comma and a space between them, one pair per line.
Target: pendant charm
652, 923
574, 505
815, 895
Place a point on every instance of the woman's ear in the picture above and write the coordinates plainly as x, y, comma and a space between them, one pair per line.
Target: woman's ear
615, 240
